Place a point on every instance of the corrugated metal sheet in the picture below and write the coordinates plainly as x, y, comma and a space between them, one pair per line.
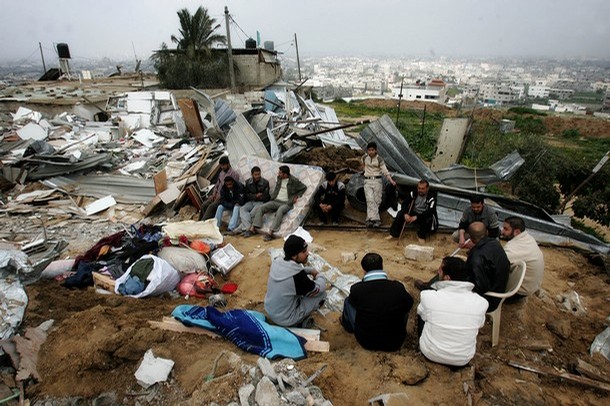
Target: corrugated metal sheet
242, 141
124, 189
468, 178
452, 201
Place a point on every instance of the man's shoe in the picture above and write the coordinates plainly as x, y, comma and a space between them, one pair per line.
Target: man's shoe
268, 237
246, 234
421, 285
376, 224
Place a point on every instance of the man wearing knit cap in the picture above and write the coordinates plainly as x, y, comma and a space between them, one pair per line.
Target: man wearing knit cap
294, 291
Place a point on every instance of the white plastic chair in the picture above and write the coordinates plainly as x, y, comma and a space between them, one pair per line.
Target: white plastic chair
515, 279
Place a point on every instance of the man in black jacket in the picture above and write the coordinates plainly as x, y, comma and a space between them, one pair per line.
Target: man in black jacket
377, 309
329, 200
487, 264
418, 208
257, 193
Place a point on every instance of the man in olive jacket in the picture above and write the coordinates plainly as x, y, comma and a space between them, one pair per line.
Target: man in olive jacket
285, 194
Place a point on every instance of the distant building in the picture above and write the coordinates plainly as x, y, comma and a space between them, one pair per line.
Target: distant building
493, 93
434, 91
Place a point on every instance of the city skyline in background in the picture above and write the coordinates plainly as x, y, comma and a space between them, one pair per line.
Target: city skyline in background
476, 28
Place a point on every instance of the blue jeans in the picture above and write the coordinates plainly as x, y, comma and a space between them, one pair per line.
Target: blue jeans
234, 216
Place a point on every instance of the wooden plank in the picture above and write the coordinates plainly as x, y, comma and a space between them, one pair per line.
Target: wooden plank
590, 371
160, 180
194, 197
563, 375
154, 204
307, 333
192, 119
172, 324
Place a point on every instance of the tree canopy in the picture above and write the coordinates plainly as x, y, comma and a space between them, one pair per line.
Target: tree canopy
197, 31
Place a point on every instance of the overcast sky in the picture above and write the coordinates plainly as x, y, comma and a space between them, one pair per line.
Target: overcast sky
108, 28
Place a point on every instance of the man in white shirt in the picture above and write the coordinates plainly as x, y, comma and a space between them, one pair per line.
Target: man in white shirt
450, 316
521, 246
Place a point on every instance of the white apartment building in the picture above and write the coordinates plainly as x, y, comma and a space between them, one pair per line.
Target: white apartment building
539, 91
434, 91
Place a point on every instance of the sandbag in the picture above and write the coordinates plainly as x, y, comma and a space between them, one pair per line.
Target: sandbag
162, 278
184, 260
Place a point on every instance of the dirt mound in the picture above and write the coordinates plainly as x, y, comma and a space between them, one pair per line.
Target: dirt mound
98, 340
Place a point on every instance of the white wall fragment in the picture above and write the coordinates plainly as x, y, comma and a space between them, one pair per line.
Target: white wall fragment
153, 370
32, 131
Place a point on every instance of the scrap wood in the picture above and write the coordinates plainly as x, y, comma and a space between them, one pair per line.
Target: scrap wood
563, 375
590, 371
172, 324
28, 348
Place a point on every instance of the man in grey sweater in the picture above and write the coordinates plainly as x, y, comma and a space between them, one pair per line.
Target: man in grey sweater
294, 291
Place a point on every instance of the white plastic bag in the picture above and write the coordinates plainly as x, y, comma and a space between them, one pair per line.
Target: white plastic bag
162, 278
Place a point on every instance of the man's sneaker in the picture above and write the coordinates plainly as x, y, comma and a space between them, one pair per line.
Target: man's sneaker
421, 285
369, 224
376, 224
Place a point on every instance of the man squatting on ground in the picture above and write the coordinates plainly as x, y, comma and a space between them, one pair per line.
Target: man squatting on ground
450, 316
419, 208
329, 200
521, 246
257, 193
293, 290
477, 211
377, 308
210, 205
285, 194
374, 170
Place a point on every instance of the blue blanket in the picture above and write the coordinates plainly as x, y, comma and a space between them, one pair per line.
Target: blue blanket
245, 328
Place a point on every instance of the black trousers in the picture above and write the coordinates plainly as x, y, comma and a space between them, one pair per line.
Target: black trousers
333, 215
424, 225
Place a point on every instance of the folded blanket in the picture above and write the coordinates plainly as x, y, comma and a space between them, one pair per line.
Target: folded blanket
245, 328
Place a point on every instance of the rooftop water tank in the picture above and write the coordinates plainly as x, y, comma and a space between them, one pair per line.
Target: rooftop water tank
63, 51
268, 45
250, 43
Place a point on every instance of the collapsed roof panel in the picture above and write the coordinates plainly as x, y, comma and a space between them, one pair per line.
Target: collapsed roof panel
468, 178
124, 189
242, 141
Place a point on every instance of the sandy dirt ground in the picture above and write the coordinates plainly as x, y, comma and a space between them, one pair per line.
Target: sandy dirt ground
98, 340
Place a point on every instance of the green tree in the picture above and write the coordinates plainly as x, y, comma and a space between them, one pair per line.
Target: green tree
197, 31
193, 62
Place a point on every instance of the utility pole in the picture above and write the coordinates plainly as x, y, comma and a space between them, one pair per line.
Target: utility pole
229, 49
402, 81
599, 165
423, 121
296, 45
42, 56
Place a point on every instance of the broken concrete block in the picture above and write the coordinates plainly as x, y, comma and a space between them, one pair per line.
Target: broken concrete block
244, 394
419, 253
267, 369
297, 398
266, 393
347, 257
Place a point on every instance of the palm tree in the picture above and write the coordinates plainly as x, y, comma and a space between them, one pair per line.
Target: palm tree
197, 31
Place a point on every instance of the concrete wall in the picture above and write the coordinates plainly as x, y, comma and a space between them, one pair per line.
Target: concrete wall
255, 73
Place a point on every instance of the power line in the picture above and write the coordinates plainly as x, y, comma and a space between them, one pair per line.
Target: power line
232, 19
